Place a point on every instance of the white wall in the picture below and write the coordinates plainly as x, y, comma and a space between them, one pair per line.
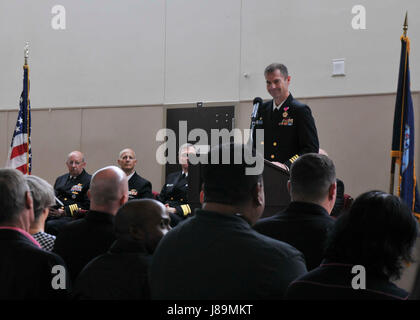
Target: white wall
144, 52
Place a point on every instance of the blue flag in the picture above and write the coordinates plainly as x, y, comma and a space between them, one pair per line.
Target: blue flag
403, 133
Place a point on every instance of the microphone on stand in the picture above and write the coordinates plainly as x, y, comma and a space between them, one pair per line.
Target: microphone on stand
257, 101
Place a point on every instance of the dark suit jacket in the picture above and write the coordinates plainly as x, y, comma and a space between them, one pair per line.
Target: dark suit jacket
82, 240
26, 270
287, 137
139, 188
304, 226
217, 256
119, 274
333, 281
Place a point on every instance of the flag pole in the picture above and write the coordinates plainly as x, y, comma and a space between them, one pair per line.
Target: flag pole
26, 55
393, 157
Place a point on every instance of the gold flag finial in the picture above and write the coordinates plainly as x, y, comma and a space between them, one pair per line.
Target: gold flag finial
405, 25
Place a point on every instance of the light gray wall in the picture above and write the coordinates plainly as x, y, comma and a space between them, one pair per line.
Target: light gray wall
144, 52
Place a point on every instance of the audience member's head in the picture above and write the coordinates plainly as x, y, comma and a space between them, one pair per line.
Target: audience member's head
378, 232
228, 188
15, 200
145, 221
75, 163
42, 195
184, 152
312, 179
127, 161
108, 190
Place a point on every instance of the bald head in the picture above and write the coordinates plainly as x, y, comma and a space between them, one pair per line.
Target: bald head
144, 220
108, 189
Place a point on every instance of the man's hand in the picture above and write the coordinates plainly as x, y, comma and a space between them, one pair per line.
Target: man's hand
281, 165
56, 212
170, 209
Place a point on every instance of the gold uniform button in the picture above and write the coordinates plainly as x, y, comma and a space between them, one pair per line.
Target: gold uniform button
272, 156
274, 143
182, 199
172, 198
65, 199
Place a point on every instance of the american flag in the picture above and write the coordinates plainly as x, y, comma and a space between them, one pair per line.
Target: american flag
20, 153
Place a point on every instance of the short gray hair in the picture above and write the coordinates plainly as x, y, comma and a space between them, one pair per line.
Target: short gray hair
12, 194
42, 194
276, 66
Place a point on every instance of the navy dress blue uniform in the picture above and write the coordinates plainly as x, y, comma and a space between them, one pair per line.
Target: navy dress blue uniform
174, 193
139, 188
72, 192
289, 132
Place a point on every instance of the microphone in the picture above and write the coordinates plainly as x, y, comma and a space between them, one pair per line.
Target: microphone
257, 101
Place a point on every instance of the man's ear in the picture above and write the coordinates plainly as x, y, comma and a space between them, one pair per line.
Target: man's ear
201, 196
123, 199
258, 194
332, 191
28, 200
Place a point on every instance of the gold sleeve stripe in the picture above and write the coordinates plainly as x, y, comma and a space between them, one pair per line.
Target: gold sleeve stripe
186, 209
73, 208
294, 158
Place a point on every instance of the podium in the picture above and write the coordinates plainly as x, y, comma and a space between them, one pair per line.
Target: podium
277, 197
275, 178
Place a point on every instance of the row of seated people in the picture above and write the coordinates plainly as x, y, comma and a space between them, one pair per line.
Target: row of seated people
71, 188
127, 250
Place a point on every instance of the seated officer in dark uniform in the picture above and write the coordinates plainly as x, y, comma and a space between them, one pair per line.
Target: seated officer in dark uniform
138, 187
71, 191
174, 192
289, 128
